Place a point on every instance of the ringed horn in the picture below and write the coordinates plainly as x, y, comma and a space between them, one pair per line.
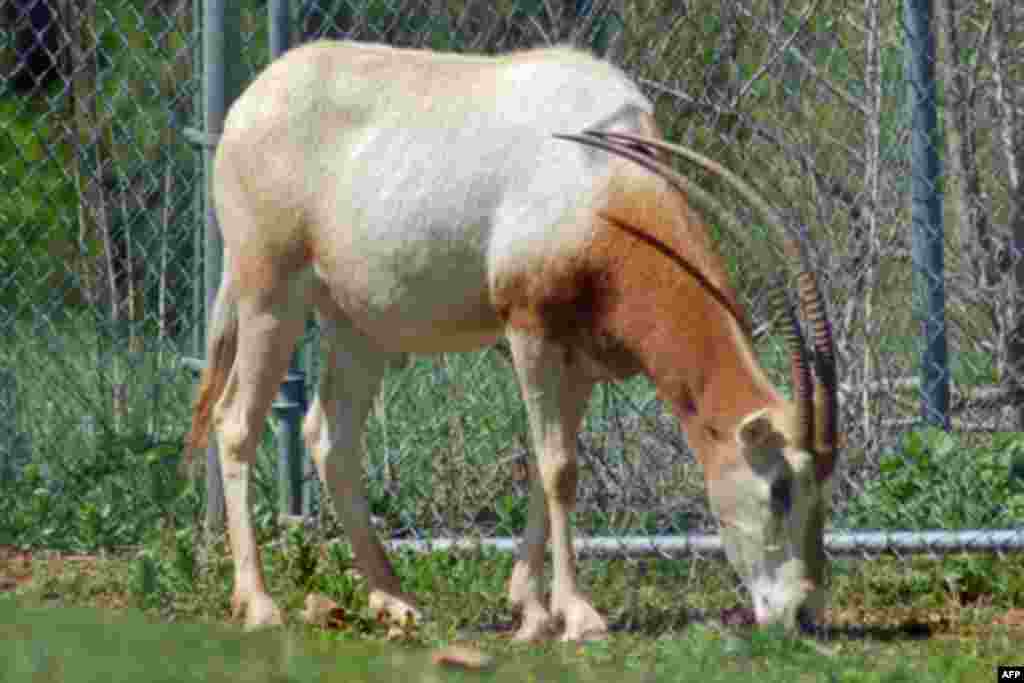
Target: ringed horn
816, 407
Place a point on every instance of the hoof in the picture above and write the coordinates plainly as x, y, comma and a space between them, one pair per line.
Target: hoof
582, 622
259, 611
536, 626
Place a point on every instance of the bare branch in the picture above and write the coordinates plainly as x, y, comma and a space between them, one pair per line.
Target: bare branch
835, 89
778, 52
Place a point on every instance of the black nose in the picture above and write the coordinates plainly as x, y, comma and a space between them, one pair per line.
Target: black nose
805, 621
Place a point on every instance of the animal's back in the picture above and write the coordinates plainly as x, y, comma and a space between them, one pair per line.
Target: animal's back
417, 174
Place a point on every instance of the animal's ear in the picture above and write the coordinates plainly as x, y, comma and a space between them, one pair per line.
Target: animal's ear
757, 433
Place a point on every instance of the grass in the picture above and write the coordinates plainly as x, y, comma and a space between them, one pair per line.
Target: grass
81, 618
441, 453
442, 450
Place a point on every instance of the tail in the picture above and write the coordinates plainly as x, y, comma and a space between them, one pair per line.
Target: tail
221, 347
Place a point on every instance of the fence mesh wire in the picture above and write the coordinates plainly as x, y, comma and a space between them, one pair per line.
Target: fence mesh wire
100, 272
96, 238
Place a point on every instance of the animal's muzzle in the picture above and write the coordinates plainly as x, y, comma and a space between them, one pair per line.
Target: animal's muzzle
806, 621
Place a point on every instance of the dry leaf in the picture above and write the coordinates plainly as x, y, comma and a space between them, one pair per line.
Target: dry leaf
396, 633
1012, 617
322, 611
462, 656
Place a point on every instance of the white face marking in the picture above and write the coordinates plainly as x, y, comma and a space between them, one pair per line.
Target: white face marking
772, 510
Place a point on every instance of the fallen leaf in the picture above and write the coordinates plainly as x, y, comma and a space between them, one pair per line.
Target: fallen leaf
462, 656
1012, 617
322, 611
737, 616
397, 633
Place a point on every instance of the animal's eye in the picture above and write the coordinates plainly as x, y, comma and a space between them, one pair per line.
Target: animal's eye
782, 495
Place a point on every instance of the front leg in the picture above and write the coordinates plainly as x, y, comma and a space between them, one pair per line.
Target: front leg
555, 391
524, 588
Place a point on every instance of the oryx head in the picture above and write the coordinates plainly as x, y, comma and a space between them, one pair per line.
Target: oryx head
768, 474
771, 501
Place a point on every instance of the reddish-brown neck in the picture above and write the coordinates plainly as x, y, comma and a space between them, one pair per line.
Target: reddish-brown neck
688, 344
678, 317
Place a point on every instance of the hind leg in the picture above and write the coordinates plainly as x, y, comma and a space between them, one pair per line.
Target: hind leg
269, 324
350, 378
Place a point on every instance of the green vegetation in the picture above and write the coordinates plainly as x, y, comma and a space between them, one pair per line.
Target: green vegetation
890, 620
446, 450
80, 475
33, 209
98, 300
446, 454
938, 480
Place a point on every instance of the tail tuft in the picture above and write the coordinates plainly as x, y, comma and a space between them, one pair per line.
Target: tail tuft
220, 357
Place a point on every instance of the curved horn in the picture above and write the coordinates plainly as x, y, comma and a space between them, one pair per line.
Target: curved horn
810, 297
825, 372
795, 249
800, 369
695, 193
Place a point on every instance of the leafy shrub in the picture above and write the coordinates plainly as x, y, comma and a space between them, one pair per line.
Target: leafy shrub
937, 481
111, 497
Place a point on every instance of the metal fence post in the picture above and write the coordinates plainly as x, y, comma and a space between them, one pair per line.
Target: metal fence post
222, 59
290, 405
926, 213
199, 199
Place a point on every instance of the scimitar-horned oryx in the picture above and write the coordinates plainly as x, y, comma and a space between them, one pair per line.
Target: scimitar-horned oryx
423, 202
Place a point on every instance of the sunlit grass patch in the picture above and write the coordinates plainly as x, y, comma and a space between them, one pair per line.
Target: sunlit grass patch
889, 620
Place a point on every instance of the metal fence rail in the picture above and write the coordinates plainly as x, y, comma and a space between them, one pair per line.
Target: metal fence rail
106, 270
851, 543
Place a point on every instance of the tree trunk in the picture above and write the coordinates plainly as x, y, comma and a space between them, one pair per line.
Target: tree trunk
1010, 144
964, 188
83, 110
872, 172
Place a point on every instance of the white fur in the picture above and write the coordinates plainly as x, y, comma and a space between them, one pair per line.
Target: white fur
448, 224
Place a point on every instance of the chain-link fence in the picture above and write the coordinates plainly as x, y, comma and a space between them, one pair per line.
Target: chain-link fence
97, 254
101, 247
